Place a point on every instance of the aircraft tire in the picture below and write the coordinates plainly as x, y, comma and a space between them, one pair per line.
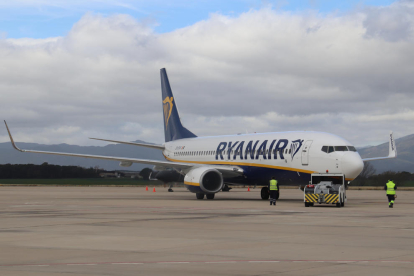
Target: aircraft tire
210, 196
264, 193
200, 196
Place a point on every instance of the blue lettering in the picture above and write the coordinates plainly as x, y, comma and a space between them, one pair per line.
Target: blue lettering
280, 148
262, 150
269, 155
239, 150
220, 149
230, 148
250, 150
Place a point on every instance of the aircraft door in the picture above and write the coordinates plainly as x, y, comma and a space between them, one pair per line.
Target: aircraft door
305, 152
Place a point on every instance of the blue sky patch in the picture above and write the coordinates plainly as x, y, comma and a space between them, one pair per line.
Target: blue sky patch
56, 18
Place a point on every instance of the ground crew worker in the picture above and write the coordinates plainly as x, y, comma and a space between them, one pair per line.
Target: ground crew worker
390, 187
273, 190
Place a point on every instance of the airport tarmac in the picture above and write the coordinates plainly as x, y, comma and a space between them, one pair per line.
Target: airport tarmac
129, 231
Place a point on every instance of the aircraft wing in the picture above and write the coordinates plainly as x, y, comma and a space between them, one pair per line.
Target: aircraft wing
392, 150
160, 164
160, 147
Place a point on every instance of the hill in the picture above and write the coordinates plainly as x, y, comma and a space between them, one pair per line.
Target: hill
404, 160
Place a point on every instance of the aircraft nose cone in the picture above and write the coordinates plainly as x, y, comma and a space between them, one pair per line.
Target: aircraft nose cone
352, 164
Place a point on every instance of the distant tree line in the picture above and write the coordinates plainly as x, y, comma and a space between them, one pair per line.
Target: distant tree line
46, 171
368, 177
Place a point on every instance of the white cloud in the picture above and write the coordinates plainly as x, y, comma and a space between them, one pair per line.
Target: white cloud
261, 71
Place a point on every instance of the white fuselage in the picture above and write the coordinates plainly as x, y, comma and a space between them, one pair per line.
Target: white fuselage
291, 156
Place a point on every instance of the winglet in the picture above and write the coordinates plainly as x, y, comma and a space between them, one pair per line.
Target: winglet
11, 138
392, 147
392, 150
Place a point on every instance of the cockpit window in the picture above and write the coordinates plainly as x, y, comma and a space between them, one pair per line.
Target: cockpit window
351, 148
329, 149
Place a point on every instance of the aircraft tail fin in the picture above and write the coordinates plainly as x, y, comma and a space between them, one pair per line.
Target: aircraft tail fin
173, 128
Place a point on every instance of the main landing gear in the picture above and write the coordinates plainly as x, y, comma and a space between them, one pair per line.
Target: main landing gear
170, 188
264, 193
201, 196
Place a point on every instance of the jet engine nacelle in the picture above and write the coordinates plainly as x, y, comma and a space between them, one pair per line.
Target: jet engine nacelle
209, 179
125, 164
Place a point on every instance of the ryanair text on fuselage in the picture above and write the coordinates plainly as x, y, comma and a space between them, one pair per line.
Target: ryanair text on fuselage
254, 149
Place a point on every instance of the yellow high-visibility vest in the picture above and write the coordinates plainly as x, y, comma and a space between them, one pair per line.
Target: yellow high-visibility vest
273, 185
390, 188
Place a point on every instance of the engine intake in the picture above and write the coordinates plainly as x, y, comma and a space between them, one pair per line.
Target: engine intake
209, 179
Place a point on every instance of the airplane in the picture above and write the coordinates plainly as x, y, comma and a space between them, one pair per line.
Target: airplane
212, 164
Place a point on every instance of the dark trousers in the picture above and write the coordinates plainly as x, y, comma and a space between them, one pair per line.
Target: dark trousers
273, 195
391, 199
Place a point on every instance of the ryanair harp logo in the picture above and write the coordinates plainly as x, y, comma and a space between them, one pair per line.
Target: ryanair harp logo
167, 106
295, 146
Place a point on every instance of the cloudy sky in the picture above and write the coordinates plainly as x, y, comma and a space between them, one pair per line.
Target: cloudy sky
76, 69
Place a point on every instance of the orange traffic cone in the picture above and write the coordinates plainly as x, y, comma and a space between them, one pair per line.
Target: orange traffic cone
153, 190
248, 189
146, 189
